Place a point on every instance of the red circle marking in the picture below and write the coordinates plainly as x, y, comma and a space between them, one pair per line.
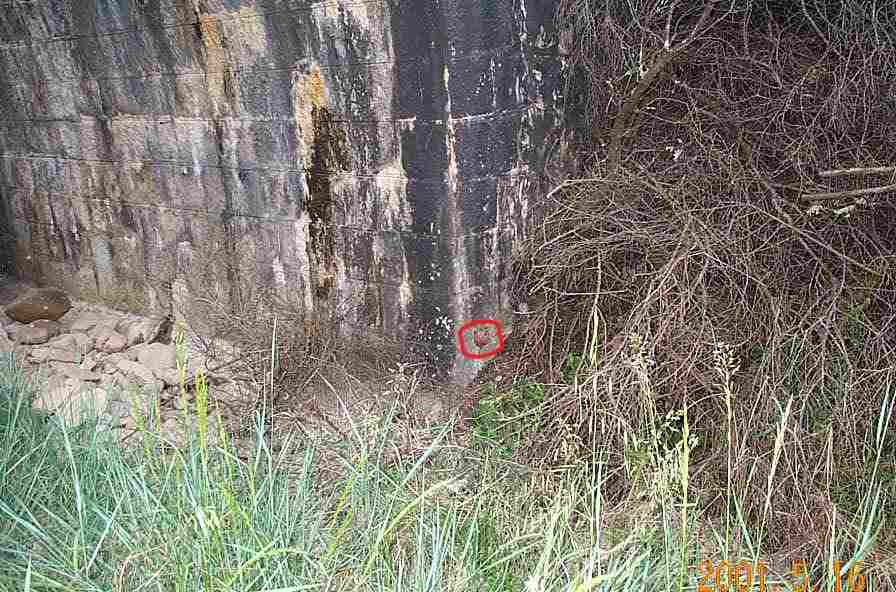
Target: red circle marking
472, 325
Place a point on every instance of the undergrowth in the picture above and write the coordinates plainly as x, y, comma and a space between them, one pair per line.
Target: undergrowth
79, 512
721, 270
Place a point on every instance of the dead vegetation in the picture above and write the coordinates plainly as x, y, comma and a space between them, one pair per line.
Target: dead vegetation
737, 216
267, 337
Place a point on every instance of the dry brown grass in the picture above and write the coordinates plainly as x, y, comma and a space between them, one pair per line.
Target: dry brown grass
708, 216
267, 337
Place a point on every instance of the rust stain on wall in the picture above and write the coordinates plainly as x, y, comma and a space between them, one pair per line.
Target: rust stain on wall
218, 71
329, 154
325, 124
308, 93
323, 151
314, 87
210, 31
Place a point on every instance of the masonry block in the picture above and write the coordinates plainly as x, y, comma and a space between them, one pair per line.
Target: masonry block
486, 147
365, 158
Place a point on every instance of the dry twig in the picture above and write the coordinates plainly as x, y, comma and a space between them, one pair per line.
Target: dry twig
692, 232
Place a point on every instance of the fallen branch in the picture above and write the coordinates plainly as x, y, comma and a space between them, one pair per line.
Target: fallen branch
857, 171
827, 248
851, 193
621, 125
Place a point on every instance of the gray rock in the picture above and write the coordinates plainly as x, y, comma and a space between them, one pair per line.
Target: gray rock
6, 344
104, 326
100, 397
33, 335
83, 341
84, 323
39, 303
52, 354
75, 372
65, 341
137, 370
158, 357
115, 379
110, 341
170, 376
91, 361
132, 352
69, 400
146, 330
110, 362
55, 393
101, 319
37, 332
118, 409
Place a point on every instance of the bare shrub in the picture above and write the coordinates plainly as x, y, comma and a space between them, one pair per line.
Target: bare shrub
718, 209
267, 336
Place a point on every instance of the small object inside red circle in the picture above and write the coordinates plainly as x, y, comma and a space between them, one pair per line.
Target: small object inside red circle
481, 337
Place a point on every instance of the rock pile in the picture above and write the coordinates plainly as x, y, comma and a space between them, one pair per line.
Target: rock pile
123, 367
117, 363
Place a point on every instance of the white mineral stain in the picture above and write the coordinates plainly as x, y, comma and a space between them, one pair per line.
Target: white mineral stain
359, 10
463, 369
458, 257
194, 153
392, 182
252, 29
408, 124
405, 293
279, 272
300, 227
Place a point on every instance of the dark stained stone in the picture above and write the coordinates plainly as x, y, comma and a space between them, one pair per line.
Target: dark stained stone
39, 303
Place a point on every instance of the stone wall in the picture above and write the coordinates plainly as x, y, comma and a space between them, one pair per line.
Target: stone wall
372, 160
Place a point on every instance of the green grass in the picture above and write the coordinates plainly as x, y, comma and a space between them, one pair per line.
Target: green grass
502, 419
78, 512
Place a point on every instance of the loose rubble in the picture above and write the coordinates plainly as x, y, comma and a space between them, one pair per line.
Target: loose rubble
126, 370
122, 366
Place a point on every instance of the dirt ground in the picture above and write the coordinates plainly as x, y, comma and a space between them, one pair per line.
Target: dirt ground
340, 405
